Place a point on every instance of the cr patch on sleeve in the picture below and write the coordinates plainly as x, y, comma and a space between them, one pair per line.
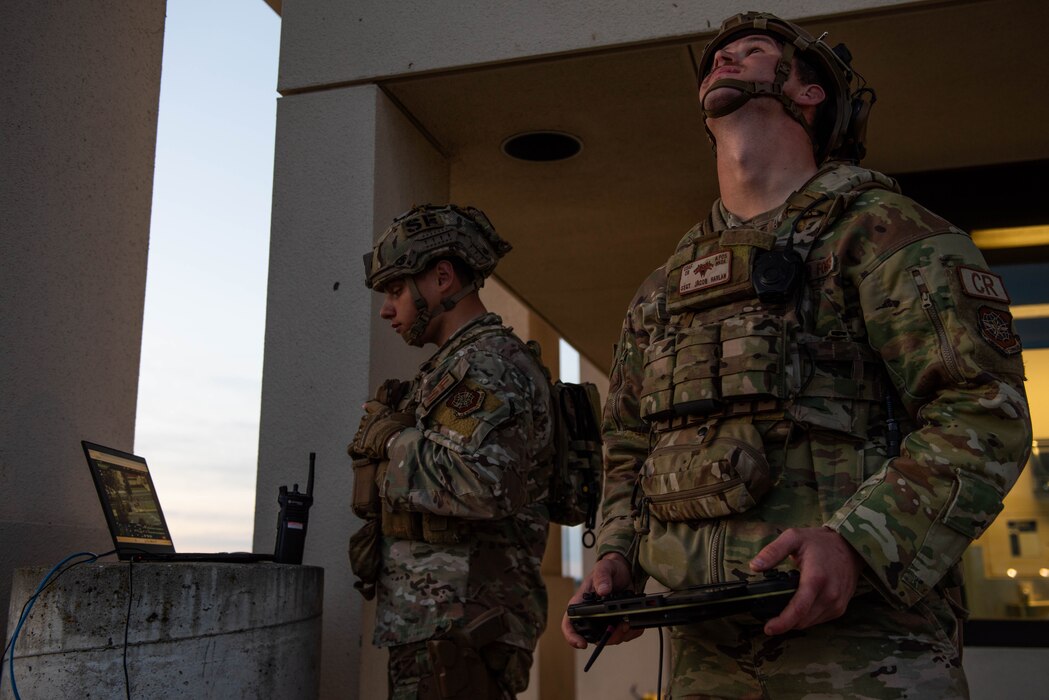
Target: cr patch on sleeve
981, 284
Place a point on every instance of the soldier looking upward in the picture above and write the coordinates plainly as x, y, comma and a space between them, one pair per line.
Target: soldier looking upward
824, 376
451, 469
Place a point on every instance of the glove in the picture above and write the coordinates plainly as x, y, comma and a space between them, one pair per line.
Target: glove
375, 431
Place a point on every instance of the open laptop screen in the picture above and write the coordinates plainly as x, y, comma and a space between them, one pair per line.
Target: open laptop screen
129, 500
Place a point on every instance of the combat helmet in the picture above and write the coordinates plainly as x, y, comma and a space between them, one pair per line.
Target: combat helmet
423, 235
839, 134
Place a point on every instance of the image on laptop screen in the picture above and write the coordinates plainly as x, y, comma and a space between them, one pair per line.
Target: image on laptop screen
129, 499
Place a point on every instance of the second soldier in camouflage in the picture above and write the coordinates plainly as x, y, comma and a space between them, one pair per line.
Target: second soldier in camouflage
451, 471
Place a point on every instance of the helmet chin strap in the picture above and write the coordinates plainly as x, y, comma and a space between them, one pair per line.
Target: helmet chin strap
748, 90
423, 313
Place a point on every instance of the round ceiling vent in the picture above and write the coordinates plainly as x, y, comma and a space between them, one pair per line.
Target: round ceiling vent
542, 146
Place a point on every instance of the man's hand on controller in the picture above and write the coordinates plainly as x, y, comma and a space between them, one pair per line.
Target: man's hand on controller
610, 574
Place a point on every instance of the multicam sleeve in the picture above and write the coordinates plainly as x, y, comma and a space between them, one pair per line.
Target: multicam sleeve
625, 435
473, 452
940, 321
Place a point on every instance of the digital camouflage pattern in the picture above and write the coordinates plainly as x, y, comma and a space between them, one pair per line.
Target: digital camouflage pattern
482, 407
896, 303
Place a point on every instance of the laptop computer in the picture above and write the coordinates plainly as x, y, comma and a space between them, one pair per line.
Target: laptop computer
133, 514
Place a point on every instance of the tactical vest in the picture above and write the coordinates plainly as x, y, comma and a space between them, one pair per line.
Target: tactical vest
727, 360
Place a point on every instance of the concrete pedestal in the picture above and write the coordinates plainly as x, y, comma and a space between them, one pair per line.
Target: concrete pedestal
194, 630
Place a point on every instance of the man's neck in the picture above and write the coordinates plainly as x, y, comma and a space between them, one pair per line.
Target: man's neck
761, 162
468, 309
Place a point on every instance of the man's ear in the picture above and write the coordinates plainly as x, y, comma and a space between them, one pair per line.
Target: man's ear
810, 95
445, 275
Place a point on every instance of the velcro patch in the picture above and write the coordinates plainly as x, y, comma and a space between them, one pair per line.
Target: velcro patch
438, 389
818, 269
708, 271
996, 327
982, 284
464, 401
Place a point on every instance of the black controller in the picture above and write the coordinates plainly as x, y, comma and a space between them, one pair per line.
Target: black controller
596, 617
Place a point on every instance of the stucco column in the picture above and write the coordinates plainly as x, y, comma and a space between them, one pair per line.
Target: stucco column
346, 163
79, 84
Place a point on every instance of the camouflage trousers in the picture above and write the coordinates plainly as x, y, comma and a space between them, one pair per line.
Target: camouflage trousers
872, 651
411, 675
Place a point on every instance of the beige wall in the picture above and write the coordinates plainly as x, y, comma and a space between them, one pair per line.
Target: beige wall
346, 163
79, 84
327, 42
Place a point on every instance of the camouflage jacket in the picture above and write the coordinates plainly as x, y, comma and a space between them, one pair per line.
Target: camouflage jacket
896, 304
482, 407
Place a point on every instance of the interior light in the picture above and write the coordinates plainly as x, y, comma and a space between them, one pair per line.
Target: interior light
1011, 573
1017, 237
1030, 311
542, 146
1044, 573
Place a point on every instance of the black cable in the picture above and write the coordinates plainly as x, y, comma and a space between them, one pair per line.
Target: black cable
127, 623
659, 680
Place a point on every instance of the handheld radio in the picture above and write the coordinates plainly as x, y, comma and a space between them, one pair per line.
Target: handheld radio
293, 519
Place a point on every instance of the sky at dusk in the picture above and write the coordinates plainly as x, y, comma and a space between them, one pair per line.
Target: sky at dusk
200, 381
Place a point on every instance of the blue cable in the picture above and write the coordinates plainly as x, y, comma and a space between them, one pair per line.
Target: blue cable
29, 606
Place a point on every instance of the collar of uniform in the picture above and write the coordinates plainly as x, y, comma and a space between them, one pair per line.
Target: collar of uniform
766, 221
460, 337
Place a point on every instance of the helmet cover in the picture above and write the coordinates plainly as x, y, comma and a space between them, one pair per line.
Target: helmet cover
430, 232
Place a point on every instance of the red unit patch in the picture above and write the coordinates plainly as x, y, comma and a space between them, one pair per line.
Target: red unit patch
996, 327
465, 401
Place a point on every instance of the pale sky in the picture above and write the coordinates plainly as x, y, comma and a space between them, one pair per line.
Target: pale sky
200, 381
202, 342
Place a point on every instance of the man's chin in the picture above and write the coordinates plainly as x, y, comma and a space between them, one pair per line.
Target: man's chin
718, 97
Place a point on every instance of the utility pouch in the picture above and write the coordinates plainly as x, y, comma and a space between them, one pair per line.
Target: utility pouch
365, 501
366, 558
657, 388
402, 525
712, 470
438, 529
696, 384
752, 357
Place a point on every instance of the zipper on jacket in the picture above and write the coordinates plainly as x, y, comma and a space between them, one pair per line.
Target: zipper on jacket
946, 349
717, 538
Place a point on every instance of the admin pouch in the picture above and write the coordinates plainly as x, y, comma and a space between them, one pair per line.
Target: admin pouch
710, 470
575, 480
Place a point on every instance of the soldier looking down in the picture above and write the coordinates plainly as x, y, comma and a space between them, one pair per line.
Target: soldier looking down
824, 376
451, 469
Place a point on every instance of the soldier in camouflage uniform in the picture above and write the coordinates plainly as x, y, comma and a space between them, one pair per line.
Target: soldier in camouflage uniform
451, 470
824, 376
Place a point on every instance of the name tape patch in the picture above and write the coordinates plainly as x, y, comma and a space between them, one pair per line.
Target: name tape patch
981, 284
708, 271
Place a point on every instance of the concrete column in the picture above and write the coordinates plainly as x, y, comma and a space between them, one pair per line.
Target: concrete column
346, 162
79, 84
188, 630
